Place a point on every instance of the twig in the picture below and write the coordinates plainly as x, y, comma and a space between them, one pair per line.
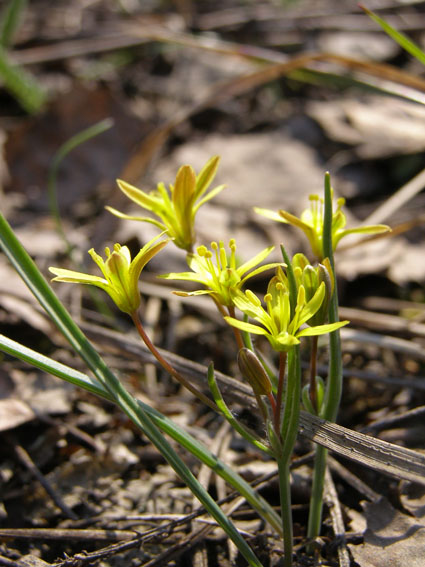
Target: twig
331, 498
398, 199
353, 480
66, 534
394, 420
26, 460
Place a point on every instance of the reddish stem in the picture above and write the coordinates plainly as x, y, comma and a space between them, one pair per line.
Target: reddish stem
236, 331
167, 366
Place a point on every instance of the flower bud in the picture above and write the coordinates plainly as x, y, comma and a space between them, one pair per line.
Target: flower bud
320, 394
253, 371
311, 278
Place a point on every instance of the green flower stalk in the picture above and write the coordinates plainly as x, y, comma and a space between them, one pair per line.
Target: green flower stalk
175, 210
221, 277
121, 273
275, 322
311, 223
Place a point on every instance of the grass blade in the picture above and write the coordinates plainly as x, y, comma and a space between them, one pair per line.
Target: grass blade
29, 272
177, 433
10, 19
397, 36
21, 84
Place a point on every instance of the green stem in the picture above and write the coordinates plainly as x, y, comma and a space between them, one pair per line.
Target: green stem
288, 436
316, 500
313, 372
222, 406
167, 366
285, 506
333, 389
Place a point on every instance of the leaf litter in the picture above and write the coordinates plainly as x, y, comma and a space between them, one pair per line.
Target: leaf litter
276, 142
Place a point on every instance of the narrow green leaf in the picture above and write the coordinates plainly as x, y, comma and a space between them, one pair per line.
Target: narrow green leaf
21, 84
137, 414
10, 19
169, 427
397, 36
221, 404
63, 151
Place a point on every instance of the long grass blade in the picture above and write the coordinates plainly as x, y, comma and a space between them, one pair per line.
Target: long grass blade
168, 426
397, 36
10, 19
137, 414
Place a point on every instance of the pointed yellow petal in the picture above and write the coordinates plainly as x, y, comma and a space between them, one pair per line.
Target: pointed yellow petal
138, 196
244, 326
206, 175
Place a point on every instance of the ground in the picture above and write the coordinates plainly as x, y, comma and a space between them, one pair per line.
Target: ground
283, 92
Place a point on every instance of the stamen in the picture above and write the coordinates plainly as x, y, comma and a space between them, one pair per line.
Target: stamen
223, 257
214, 246
232, 247
253, 298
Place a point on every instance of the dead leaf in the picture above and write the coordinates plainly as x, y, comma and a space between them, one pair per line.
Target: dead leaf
391, 538
31, 561
412, 496
13, 413
361, 45
44, 393
378, 126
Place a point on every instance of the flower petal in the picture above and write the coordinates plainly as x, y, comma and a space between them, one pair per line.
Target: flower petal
321, 329
206, 175
312, 306
260, 270
187, 276
257, 259
70, 276
209, 196
138, 196
121, 215
244, 326
273, 215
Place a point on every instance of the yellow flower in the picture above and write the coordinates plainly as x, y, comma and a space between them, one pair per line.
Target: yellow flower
275, 322
223, 276
175, 209
121, 274
311, 223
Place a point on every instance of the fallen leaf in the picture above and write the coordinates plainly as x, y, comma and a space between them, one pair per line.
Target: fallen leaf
378, 126
391, 538
14, 412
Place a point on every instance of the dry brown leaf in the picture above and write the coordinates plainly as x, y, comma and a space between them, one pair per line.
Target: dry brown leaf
412, 496
378, 126
44, 393
13, 413
391, 538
